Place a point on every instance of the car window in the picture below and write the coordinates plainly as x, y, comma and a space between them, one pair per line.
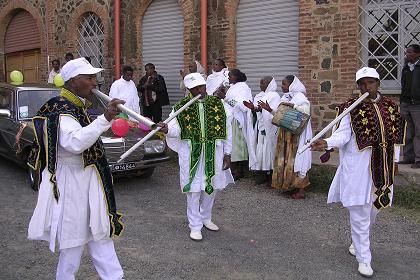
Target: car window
29, 101
6, 99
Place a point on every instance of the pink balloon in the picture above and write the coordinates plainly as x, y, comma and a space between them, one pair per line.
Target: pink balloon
144, 127
120, 127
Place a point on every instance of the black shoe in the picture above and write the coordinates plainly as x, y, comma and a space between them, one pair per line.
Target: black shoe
416, 165
406, 162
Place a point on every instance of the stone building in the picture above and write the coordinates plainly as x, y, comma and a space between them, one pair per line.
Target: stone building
323, 42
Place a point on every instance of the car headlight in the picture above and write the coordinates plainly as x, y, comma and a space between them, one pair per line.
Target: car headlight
154, 147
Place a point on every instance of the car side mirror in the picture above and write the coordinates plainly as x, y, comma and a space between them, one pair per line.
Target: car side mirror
5, 113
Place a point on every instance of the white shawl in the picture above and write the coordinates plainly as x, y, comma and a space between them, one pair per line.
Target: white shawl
264, 118
216, 79
296, 95
235, 96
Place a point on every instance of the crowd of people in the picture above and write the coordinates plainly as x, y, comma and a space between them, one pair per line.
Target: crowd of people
218, 139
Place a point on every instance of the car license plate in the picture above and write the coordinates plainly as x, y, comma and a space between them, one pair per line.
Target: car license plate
123, 166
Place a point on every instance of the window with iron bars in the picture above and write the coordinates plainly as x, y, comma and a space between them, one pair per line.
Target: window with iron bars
387, 27
90, 42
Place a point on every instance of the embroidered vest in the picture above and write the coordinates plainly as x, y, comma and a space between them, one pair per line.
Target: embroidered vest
379, 126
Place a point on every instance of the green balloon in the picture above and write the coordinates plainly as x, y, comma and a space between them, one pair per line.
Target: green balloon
16, 77
58, 80
122, 116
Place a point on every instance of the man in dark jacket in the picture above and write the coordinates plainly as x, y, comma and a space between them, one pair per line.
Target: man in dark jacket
153, 93
410, 105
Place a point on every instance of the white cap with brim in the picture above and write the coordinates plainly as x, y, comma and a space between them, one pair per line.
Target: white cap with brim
366, 72
78, 66
193, 80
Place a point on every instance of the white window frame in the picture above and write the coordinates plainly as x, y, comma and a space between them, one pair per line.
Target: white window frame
406, 31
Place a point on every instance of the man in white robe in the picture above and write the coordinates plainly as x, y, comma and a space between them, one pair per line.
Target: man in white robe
125, 89
201, 135
56, 70
194, 67
368, 140
76, 204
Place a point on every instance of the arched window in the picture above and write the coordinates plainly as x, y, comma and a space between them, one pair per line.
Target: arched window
90, 42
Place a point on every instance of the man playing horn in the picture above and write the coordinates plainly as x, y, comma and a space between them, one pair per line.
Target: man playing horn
368, 139
76, 203
201, 135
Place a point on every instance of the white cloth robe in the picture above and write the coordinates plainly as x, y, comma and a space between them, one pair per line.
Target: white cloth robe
216, 79
200, 69
238, 93
352, 184
127, 91
221, 178
80, 215
266, 144
52, 75
296, 95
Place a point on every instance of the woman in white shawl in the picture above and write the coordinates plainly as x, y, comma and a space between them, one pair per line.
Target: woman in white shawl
290, 169
243, 140
218, 79
265, 131
193, 67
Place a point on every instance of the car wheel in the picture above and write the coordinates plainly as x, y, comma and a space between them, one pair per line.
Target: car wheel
33, 179
146, 173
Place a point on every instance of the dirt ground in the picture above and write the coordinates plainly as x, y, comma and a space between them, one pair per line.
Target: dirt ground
263, 235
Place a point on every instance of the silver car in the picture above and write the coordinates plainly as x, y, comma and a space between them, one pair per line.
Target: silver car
18, 104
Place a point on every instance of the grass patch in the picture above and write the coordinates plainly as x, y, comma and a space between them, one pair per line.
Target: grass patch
407, 197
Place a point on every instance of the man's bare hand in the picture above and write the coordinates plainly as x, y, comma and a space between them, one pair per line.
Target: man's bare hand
164, 127
111, 110
319, 145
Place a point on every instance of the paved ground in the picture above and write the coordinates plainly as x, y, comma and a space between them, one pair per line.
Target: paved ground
263, 235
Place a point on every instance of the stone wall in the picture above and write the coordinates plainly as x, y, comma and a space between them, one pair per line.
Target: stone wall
327, 54
327, 39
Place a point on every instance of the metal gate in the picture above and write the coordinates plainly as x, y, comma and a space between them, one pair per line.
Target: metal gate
267, 39
163, 44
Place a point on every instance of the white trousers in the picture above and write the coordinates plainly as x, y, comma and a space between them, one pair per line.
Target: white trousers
362, 218
102, 253
199, 206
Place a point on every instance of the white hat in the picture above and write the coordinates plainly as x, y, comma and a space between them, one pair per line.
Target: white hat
194, 79
367, 72
76, 67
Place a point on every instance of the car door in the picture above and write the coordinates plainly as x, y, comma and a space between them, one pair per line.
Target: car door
8, 125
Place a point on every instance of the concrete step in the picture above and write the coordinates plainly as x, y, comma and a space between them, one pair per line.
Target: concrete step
406, 176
